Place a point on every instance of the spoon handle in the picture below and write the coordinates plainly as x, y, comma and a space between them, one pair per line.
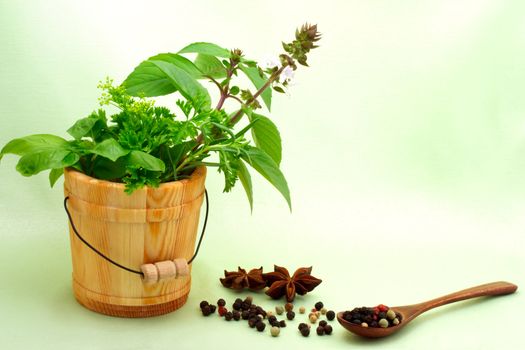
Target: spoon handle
489, 289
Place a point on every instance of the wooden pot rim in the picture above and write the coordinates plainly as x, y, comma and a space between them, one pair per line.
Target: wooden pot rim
197, 174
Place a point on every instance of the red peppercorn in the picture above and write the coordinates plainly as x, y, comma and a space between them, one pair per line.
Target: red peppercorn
222, 311
382, 307
376, 310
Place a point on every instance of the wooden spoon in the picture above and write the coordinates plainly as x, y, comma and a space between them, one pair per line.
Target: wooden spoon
409, 312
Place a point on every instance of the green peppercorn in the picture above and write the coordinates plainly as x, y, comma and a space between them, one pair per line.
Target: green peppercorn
323, 311
383, 323
279, 310
274, 331
390, 314
364, 325
395, 321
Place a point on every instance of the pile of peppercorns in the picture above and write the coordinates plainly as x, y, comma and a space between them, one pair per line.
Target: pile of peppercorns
316, 313
380, 316
255, 315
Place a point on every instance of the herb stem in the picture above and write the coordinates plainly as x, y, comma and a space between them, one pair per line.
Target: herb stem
237, 116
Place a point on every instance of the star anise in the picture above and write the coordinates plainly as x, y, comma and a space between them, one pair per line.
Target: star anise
240, 279
281, 284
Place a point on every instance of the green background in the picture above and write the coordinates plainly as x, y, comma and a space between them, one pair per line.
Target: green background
403, 147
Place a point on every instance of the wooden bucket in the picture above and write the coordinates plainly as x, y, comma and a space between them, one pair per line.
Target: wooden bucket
148, 226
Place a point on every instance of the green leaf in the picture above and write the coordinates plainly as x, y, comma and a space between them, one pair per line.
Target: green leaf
145, 160
110, 149
253, 74
105, 169
210, 66
266, 166
54, 175
246, 181
266, 136
188, 86
33, 144
33, 163
149, 80
207, 49
82, 127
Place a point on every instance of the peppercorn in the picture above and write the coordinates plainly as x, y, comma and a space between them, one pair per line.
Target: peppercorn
238, 300
305, 331
356, 321
222, 311
252, 322
272, 318
395, 321
319, 305
288, 306
237, 306
203, 304
364, 325
221, 302
290, 315
302, 325
382, 307
383, 323
320, 330
282, 323
313, 318
269, 313
206, 310
322, 323
248, 299
330, 315
245, 315
236, 315
260, 326
381, 315
323, 311
274, 331
390, 314
279, 310
212, 308
374, 324
245, 306
328, 329
302, 310
228, 316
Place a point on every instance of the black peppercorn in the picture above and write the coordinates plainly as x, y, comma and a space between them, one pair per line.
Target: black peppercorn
252, 322
212, 308
237, 306
282, 324
330, 315
260, 326
322, 323
328, 329
245, 306
221, 302
290, 315
381, 315
272, 318
236, 315
319, 305
245, 315
320, 330
302, 325
203, 304
305, 331
206, 310
228, 316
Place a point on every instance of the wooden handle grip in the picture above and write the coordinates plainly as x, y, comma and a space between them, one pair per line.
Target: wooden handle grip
489, 289
164, 270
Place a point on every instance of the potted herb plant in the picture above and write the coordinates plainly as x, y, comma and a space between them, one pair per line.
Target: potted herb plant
134, 180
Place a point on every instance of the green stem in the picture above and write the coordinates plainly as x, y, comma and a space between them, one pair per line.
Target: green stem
237, 116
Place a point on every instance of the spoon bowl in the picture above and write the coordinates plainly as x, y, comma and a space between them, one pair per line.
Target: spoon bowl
410, 312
